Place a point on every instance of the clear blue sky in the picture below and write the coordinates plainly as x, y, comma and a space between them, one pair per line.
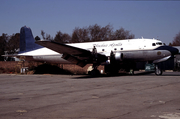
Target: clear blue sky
150, 19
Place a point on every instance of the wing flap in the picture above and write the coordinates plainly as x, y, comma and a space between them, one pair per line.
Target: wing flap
74, 60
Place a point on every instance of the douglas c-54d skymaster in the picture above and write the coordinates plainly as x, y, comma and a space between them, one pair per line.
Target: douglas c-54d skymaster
114, 54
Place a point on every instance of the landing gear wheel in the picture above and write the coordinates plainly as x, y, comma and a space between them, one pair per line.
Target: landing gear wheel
158, 71
94, 72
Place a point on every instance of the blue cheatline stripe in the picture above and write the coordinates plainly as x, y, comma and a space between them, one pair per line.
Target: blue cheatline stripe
169, 48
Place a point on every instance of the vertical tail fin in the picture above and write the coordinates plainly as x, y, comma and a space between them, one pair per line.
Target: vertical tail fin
27, 41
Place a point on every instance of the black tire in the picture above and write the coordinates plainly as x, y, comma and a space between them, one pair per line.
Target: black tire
158, 71
94, 72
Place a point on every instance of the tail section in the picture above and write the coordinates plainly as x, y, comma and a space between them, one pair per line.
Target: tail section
27, 41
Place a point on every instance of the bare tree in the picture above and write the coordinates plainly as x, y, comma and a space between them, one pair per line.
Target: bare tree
106, 32
62, 38
66, 38
98, 33
75, 38
43, 34
58, 37
95, 31
47, 37
80, 35
176, 41
13, 43
3, 41
121, 34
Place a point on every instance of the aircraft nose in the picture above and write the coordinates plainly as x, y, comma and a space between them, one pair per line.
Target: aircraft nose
174, 51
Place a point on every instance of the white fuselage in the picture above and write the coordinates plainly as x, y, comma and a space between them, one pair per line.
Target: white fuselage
103, 47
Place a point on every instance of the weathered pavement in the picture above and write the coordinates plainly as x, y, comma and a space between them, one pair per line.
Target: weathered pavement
79, 97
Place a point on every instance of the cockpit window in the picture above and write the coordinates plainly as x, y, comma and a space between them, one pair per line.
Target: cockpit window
154, 44
158, 43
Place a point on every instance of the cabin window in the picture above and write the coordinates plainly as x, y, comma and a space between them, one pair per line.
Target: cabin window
102, 49
121, 48
154, 44
158, 43
115, 49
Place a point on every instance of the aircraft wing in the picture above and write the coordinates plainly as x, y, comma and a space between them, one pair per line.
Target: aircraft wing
75, 55
62, 48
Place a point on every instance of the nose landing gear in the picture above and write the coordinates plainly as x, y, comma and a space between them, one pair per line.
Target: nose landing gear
158, 70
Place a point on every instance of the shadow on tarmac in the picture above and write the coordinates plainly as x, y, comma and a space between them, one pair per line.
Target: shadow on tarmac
151, 73
49, 69
115, 75
53, 69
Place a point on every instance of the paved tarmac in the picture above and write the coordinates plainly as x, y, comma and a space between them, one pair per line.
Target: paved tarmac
142, 96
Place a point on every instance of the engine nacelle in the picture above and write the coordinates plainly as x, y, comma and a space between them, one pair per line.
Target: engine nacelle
118, 56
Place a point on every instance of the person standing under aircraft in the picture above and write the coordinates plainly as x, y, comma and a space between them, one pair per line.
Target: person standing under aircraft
94, 53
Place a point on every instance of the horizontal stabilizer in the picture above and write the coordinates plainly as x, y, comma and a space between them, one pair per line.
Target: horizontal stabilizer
24, 57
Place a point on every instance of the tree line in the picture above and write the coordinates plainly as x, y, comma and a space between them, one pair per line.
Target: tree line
176, 41
89, 34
